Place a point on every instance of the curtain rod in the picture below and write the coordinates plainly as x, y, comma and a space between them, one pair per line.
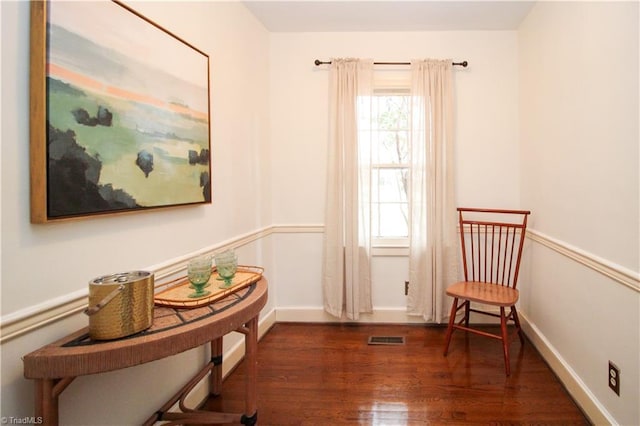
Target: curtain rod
463, 64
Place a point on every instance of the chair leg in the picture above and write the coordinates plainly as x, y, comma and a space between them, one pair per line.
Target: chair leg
467, 307
452, 318
505, 341
516, 320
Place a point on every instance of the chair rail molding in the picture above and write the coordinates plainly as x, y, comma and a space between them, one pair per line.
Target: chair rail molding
33, 317
616, 272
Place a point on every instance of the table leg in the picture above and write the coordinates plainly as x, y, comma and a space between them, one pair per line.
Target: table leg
215, 379
46, 404
46, 398
251, 359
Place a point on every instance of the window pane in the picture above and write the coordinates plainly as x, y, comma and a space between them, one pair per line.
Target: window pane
375, 220
393, 147
393, 221
392, 112
389, 184
374, 140
387, 135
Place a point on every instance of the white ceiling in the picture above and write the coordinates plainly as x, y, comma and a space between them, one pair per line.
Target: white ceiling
389, 15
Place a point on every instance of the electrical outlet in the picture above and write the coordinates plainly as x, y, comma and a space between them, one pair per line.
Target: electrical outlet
614, 378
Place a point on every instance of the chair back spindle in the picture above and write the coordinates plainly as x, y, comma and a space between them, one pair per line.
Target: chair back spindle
492, 248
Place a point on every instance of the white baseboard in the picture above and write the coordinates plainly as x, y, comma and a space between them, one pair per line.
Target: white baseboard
571, 381
318, 315
378, 316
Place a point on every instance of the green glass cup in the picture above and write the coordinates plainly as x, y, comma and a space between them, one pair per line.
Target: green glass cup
227, 266
199, 272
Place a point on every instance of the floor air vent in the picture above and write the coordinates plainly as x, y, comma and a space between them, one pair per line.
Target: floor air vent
386, 340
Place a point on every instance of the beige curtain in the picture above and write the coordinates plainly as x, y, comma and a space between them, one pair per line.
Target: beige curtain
346, 274
433, 252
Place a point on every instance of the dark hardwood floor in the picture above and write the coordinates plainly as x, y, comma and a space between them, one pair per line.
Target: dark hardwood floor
319, 374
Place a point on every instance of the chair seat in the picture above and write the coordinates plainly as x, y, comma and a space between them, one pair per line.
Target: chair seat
487, 293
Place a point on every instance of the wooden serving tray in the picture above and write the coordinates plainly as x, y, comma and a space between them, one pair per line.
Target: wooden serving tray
176, 293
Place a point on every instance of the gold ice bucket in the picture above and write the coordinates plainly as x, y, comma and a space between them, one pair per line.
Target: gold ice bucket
120, 304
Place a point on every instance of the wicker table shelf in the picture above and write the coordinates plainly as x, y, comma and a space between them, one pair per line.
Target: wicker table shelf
174, 330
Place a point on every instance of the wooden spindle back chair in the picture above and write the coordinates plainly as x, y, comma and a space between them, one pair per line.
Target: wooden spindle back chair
491, 243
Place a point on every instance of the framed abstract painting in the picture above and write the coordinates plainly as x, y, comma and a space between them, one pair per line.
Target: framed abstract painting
119, 113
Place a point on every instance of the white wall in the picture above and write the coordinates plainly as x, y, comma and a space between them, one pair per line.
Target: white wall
88, 248
487, 155
578, 82
47, 264
537, 127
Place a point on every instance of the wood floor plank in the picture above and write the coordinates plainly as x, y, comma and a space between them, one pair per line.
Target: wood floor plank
326, 374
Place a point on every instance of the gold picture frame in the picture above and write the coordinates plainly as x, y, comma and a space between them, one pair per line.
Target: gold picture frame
119, 113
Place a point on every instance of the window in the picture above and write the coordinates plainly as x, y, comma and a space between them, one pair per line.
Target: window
390, 139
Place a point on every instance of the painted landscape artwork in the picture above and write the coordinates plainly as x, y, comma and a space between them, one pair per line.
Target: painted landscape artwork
127, 111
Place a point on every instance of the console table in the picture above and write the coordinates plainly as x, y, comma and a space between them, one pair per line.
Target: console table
55, 366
